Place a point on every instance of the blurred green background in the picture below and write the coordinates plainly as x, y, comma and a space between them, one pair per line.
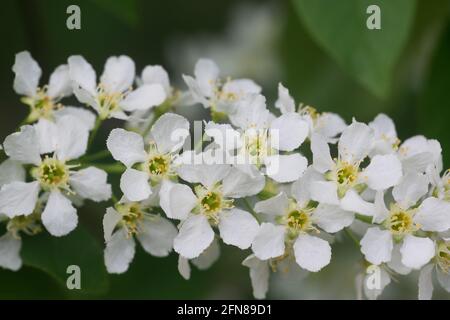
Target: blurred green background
321, 50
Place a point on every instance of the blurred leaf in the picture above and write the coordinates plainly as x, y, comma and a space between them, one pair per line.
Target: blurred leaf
53, 255
368, 55
124, 10
434, 105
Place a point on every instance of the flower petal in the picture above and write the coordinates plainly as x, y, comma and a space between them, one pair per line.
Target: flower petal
353, 202
426, 282
383, 172
208, 257
396, 261
259, 276
10, 252
177, 200
27, 73
23, 146
286, 168
285, 102
411, 188
312, 253
119, 252
47, 133
72, 138
275, 206
91, 183
194, 237
126, 147
118, 74
206, 73
416, 252
377, 245
144, 97
443, 279
332, 218
11, 171
433, 215
110, 221
269, 242
169, 132
291, 129
18, 198
322, 161
238, 228
60, 84
59, 216
238, 184
135, 185
85, 116
157, 74
82, 74
184, 268
156, 236
355, 142
324, 192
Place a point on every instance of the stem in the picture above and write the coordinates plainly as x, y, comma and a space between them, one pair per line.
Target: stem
250, 208
96, 156
362, 218
94, 131
111, 168
352, 236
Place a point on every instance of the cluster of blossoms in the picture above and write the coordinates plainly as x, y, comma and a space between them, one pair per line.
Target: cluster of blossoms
247, 182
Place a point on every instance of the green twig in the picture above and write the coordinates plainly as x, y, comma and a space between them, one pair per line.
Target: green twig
250, 208
94, 132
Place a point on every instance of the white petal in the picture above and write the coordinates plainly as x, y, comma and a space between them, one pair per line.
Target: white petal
385, 134
208, 257
433, 215
396, 261
72, 138
18, 198
426, 282
286, 168
206, 174
195, 93
110, 221
412, 187
223, 135
11, 171
416, 252
238, 228
238, 184
259, 276
82, 73
135, 185
329, 125
322, 160
324, 191
184, 268
443, 279
47, 133
59, 216
118, 74
374, 291
119, 252
332, 218
312, 253
275, 206
285, 102
355, 142
377, 245
144, 97
169, 132
60, 84
10, 252
23, 146
353, 202
91, 183
194, 237
383, 172
269, 242
291, 130
156, 74
156, 236
126, 147
27, 73
85, 116
206, 73
177, 200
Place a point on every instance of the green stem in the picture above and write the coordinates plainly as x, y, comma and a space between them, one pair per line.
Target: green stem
96, 156
250, 209
94, 131
362, 218
352, 236
112, 168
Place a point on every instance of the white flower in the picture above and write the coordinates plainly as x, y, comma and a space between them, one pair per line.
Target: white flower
440, 186
205, 260
343, 178
403, 223
130, 220
212, 205
156, 163
259, 275
294, 220
326, 124
209, 90
261, 136
113, 95
66, 140
372, 282
43, 101
441, 267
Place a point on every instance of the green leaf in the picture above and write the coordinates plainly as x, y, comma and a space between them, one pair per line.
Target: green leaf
54, 254
433, 107
370, 56
124, 10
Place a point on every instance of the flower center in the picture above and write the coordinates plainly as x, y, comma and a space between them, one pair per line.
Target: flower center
53, 173
132, 214
27, 224
298, 220
256, 146
42, 106
443, 256
158, 165
108, 101
212, 202
311, 111
400, 221
345, 175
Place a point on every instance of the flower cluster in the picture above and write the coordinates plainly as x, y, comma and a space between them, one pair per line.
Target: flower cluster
281, 182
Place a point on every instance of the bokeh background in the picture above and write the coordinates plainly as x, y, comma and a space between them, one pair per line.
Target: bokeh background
321, 50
